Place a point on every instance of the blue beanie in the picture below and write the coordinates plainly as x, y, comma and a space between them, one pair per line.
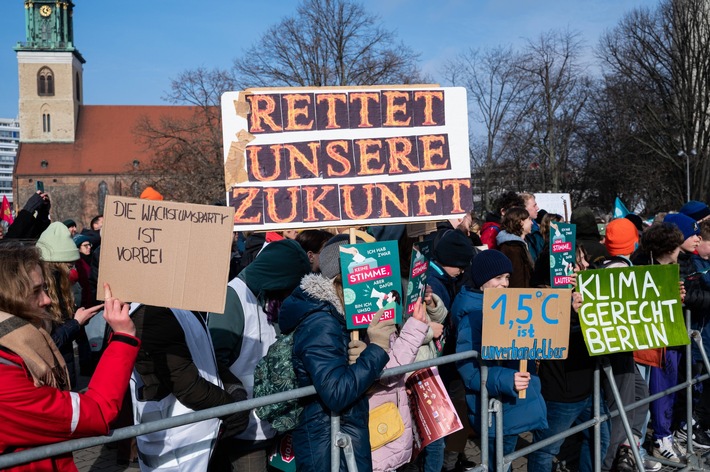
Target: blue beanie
489, 264
695, 209
687, 225
80, 239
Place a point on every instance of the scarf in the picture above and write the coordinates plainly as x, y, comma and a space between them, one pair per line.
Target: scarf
37, 350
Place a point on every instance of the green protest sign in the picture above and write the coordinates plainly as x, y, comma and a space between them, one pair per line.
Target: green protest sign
562, 254
417, 276
631, 308
371, 282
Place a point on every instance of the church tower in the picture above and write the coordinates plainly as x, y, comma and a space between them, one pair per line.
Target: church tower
50, 73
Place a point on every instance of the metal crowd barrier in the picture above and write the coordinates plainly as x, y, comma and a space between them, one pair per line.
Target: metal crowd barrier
342, 441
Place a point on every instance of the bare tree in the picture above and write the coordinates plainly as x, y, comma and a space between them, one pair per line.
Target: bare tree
189, 160
560, 89
499, 97
658, 58
327, 42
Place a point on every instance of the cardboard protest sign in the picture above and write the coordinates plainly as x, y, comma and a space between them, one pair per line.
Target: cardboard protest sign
314, 157
165, 253
631, 308
433, 411
525, 323
562, 254
555, 203
419, 263
371, 282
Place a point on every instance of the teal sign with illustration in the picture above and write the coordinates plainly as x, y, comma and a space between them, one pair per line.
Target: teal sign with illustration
371, 282
562, 254
631, 308
417, 276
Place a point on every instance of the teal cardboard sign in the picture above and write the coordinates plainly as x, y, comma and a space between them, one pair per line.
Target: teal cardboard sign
562, 254
371, 282
631, 308
417, 277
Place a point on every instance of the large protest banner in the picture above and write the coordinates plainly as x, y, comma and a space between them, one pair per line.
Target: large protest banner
525, 323
166, 253
631, 308
332, 156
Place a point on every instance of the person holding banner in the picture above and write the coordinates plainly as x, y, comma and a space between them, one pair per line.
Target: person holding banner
315, 313
36, 406
621, 241
492, 269
567, 387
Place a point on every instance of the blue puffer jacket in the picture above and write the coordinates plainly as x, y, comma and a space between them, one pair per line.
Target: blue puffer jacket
320, 358
519, 415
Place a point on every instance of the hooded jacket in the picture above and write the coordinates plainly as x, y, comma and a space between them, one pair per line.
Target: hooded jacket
320, 358
516, 249
520, 415
243, 334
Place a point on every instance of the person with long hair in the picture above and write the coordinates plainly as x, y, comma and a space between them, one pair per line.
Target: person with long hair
59, 252
36, 406
515, 226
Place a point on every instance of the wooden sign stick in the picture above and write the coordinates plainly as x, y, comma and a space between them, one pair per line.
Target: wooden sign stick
523, 368
354, 334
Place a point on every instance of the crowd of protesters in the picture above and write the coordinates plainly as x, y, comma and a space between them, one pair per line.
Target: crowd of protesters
289, 282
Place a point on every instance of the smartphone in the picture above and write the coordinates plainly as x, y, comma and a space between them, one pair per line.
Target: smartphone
39, 185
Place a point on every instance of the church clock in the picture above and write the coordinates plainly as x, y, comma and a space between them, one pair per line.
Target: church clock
45, 10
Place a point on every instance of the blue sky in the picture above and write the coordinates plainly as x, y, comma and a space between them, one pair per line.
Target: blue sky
134, 47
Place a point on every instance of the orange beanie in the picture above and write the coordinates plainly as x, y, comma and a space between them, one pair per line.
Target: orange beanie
151, 194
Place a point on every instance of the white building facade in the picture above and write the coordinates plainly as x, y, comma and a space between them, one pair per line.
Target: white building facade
9, 141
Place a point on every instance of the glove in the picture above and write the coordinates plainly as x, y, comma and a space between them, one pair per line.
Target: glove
379, 332
34, 203
355, 348
236, 422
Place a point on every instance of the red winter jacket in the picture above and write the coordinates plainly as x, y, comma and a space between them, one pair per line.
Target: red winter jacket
489, 232
33, 416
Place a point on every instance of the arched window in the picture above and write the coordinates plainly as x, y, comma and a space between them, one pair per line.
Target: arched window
78, 88
103, 191
45, 82
46, 123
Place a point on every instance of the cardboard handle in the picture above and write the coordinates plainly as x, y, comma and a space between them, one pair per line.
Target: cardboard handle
523, 368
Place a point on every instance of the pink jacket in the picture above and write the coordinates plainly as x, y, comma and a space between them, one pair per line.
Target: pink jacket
403, 350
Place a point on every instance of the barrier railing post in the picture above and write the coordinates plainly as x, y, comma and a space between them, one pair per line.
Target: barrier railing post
597, 398
485, 416
498, 412
622, 413
689, 389
334, 448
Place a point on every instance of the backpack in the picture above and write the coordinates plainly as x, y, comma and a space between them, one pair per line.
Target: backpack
274, 373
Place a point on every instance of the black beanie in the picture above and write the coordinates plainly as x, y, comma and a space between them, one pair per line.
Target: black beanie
454, 249
489, 264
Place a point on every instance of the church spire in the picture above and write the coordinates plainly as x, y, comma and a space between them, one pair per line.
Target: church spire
49, 27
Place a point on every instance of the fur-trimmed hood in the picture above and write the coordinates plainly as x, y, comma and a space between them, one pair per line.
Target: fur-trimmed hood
315, 293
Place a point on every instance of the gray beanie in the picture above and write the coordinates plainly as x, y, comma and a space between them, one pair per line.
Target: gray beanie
329, 258
56, 244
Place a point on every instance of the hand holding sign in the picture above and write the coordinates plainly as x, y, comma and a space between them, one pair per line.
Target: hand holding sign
522, 381
116, 314
379, 332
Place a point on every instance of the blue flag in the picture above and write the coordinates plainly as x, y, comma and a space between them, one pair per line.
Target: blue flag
620, 209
